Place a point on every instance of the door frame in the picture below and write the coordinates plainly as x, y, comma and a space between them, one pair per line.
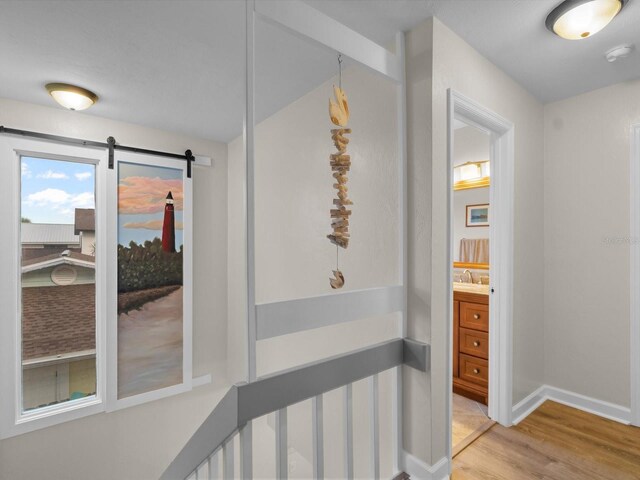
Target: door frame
634, 284
501, 198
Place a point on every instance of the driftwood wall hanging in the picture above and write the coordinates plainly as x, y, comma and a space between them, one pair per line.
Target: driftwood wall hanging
340, 163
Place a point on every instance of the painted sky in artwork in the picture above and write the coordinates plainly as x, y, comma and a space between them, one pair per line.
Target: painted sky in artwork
142, 192
51, 190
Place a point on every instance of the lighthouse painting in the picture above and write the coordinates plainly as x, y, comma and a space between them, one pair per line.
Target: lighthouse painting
150, 278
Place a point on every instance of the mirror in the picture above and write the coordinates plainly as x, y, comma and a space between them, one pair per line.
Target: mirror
471, 208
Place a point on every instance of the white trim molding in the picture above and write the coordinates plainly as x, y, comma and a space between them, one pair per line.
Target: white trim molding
634, 284
291, 316
309, 23
13, 421
591, 405
420, 470
501, 192
528, 405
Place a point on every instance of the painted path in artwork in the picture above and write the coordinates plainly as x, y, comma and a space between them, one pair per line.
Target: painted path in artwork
150, 346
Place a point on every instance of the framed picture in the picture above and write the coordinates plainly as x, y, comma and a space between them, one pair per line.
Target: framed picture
477, 215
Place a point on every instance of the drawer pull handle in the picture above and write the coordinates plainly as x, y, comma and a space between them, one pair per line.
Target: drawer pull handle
476, 371
476, 343
476, 316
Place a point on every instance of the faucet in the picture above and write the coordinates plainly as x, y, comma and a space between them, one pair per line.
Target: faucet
467, 271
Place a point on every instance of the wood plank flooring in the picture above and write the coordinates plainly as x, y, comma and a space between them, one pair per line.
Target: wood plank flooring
554, 443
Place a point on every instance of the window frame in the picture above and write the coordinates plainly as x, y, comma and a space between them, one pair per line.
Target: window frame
13, 421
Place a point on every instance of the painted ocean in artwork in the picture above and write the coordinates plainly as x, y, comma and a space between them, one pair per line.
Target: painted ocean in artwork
150, 278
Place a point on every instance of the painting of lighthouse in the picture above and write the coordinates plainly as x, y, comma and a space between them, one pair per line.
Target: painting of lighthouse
150, 278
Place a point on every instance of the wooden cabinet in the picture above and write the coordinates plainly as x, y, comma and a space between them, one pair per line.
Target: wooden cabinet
471, 345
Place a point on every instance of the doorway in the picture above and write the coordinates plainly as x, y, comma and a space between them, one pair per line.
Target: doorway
470, 232
480, 319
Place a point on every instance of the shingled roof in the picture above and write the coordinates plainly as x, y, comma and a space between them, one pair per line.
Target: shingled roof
64, 258
58, 320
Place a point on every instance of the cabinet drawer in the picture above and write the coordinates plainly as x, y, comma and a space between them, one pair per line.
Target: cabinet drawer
474, 370
474, 342
474, 316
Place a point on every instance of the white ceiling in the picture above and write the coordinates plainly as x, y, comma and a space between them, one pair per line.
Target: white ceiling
510, 33
179, 65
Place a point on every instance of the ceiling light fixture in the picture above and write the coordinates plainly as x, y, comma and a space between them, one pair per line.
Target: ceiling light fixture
578, 19
71, 96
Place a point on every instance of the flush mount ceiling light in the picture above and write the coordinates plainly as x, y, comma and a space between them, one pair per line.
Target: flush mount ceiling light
578, 19
71, 96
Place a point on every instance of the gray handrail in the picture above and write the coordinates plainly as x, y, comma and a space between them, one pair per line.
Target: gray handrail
247, 401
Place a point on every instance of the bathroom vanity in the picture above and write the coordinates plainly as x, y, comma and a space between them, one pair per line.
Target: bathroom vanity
471, 341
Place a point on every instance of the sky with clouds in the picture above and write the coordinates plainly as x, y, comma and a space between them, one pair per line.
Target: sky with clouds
142, 192
53, 189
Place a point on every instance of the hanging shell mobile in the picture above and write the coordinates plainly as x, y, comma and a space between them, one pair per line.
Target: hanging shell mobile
340, 165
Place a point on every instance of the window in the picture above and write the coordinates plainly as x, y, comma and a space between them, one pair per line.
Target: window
53, 287
84, 247
58, 282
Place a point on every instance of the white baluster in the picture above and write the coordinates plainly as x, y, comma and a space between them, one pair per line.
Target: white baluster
202, 472
318, 437
282, 460
228, 460
213, 462
348, 431
374, 426
246, 452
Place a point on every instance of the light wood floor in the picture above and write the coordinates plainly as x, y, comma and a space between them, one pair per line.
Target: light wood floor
553, 443
470, 420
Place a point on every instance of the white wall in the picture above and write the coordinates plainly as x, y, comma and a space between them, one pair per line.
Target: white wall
417, 391
586, 247
462, 198
455, 64
138, 443
294, 192
294, 258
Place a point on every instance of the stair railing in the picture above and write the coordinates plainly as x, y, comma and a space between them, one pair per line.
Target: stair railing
213, 442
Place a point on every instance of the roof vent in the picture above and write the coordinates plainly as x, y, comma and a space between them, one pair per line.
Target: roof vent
621, 51
64, 275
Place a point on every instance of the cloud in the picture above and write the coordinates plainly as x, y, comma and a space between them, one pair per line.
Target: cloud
50, 174
150, 225
82, 176
60, 201
147, 195
25, 170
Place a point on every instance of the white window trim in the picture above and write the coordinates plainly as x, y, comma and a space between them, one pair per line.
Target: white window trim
12, 420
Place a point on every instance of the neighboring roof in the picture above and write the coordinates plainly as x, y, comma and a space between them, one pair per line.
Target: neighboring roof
64, 258
58, 320
48, 234
85, 220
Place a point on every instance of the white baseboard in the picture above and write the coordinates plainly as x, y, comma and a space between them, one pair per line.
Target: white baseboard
601, 408
524, 408
419, 470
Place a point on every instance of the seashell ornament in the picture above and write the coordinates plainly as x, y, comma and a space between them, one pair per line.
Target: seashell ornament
338, 281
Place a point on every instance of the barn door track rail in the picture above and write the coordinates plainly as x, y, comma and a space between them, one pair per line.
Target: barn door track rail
110, 144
